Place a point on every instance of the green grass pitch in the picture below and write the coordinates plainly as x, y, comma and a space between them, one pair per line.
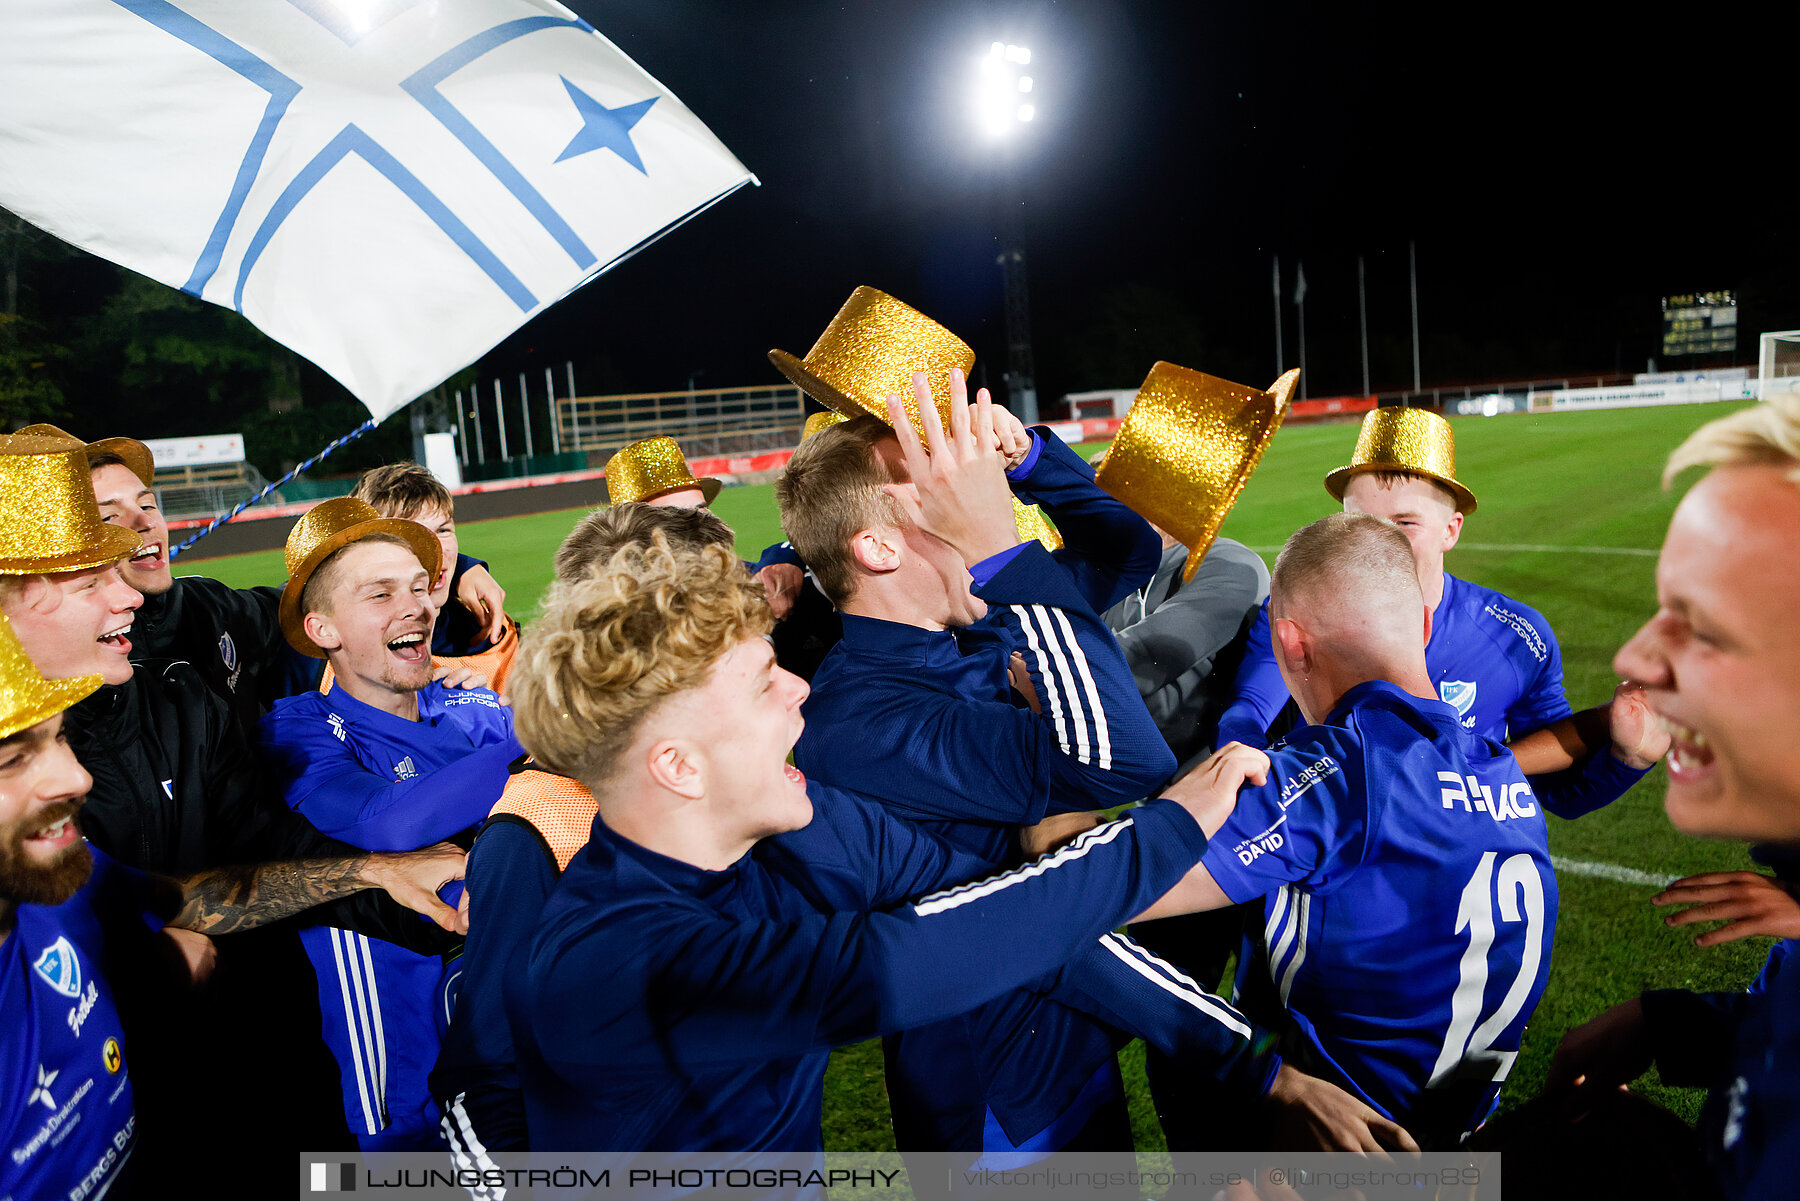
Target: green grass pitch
1570, 515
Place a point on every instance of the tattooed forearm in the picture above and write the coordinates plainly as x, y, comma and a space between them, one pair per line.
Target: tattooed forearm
228, 899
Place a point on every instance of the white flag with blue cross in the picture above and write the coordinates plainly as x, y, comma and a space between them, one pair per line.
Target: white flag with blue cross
388, 187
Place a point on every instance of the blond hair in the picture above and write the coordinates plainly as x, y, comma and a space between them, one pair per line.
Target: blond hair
831, 491
1346, 559
613, 645
1766, 433
604, 532
1396, 479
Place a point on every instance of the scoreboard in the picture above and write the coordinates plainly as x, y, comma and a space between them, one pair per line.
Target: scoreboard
1699, 323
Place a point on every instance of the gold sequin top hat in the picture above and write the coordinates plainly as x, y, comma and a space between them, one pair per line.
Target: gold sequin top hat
1417, 441
870, 351
648, 469
321, 532
26, 698
1187, 449
130, 451
820, 421
50, 521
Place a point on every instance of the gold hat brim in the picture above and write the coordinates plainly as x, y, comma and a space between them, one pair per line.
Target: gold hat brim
871, 348
709, 488
114, 542
293, 622
1405, 440
45, 700
1033, 525
134, 454
1186, 449
818, 389
1337, 481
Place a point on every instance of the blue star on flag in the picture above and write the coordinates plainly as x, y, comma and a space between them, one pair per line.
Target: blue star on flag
605, 128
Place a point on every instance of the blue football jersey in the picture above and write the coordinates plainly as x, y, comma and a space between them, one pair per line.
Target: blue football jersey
66, 1116
1408, 903
1494, 660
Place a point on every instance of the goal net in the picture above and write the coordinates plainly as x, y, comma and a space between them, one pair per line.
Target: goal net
1778, 362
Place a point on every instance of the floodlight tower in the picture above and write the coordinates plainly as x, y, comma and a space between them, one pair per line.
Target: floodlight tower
1005, 100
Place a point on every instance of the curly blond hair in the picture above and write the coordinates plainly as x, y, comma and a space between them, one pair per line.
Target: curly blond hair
648, 624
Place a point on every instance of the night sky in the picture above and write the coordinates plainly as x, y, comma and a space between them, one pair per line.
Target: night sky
1560, 169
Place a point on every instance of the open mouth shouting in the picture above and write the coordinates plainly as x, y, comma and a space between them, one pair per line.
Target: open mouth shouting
116, 640
149, 557
1690, 753
57, 836
410, 648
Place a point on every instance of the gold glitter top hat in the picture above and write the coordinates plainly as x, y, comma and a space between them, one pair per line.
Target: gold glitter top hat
1033, 526
820, 421
321, 532
1187, 449
1416, 441
50, 521
26, 698
648, 469
870, 351
130, 451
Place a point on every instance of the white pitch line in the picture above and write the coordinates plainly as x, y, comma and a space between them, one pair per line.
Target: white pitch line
1611, 871
1530, 548
1526, 548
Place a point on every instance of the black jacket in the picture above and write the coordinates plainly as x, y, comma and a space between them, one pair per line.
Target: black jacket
177, 790
231, 636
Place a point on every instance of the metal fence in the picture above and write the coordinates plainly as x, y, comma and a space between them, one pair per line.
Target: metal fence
1448, 398
707, 421
187, 492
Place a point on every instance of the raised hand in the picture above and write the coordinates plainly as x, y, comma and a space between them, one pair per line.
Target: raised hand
413, 878
958, 491
1317, 1115
481, 594
1599, 1056
1209, 792
781, 584
1638, 738
1749, 903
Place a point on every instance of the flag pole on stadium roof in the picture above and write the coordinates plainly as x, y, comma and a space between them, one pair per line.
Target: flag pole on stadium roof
1362, 321
1412, 263
1280, 366
330, 449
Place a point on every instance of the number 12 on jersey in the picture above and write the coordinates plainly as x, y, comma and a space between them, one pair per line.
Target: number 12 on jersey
1519, 892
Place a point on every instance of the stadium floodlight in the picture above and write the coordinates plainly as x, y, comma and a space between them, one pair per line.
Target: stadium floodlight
1000, 85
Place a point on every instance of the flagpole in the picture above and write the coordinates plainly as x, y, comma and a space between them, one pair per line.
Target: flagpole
1412, 263
1280, 365
500, 416
525, 409
475, 416
462, 431
1362, 321
330, 449
555, 419
1300, 303
574, 428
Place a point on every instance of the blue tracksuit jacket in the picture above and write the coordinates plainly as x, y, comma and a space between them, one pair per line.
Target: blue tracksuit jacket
1745, 1048
924, 721
662, 1007
1494, 660
385, 784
